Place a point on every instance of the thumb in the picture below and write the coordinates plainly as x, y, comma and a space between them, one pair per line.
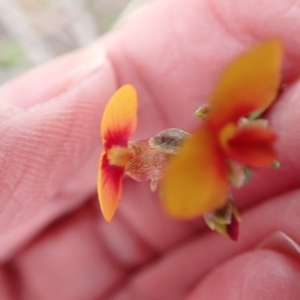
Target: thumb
49, 128
260, 274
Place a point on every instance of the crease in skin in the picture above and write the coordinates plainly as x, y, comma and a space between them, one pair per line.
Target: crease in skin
8, 110
95, 56
11, 280
225, 26
133, 237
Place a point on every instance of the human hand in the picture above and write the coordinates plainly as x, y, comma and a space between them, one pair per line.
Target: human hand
54, 242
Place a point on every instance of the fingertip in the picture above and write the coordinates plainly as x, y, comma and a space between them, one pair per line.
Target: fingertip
260, 274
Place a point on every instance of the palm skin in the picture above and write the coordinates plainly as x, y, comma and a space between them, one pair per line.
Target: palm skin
55, 243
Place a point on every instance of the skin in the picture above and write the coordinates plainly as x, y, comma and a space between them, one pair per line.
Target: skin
54, 241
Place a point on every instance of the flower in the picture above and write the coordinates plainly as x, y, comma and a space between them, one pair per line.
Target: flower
141, 160
118, 124
197, 180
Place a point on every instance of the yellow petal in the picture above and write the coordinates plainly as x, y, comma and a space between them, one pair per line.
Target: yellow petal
195, 182
120, 117
109, 186
250, 83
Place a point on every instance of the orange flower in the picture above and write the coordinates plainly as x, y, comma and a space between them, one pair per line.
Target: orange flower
196, 181
118, 124
141, 160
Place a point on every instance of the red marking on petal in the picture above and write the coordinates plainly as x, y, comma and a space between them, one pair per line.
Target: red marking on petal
120, 117
109, 187
233, 228
250, 83
252, 146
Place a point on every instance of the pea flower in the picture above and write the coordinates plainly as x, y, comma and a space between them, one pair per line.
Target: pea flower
141, 160
118, 124
198, 179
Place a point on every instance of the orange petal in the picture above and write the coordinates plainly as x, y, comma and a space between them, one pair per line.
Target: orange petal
196, 181
249, 84
252, 146
120, 117
109, 187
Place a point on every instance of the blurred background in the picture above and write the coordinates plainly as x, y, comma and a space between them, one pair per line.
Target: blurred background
34, 31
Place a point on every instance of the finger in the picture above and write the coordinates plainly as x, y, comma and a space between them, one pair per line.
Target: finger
49, 149
67, 262
260, 274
